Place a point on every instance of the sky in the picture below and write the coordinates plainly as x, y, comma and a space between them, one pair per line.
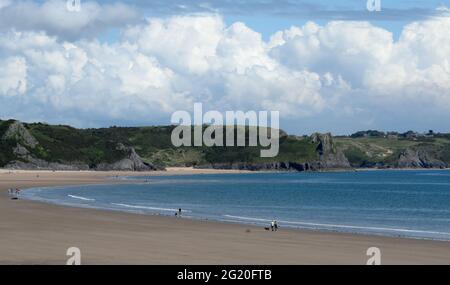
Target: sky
328, 66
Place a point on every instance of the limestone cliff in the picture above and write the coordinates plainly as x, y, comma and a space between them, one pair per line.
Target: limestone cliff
329, 156
422, 156
132, 162
19, 133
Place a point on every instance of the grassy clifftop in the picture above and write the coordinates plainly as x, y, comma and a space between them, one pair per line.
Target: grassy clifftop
51, 146
65, 144
387, 151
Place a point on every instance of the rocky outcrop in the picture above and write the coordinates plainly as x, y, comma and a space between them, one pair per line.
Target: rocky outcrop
420, 157
282, 166
19, 133
21, 151
329, 156
132, 162
25, 160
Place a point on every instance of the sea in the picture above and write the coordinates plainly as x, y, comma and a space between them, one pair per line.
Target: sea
401, 203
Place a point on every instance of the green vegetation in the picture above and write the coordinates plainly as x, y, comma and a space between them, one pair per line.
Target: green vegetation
6, 145
65, 144
375, 150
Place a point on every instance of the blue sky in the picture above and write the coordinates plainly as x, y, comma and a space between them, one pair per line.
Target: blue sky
325, 65
269, 16
395, 14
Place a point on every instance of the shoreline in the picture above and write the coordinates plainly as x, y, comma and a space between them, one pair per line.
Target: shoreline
401, 169
242, 222
192, 170
39, 233
168, 171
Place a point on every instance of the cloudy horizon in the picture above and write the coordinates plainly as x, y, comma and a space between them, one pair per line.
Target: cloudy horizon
325, 68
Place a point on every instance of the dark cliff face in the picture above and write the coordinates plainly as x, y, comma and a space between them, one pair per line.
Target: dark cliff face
328, 158
422, 156
131, 162
261, 166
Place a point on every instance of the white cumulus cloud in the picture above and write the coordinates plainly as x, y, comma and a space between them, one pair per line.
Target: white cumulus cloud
13, 76
339, 72
53, 17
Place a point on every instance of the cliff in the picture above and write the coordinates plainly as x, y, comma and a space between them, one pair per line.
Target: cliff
323, 155
330, 157
29, 154
421, 156
59, 147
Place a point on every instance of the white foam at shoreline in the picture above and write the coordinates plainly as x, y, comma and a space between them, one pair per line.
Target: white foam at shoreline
380, 219
148, 208
81, 198
339, 226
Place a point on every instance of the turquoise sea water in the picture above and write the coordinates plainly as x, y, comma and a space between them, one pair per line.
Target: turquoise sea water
396, 203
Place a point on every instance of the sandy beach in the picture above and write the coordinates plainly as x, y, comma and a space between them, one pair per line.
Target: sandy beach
38, 233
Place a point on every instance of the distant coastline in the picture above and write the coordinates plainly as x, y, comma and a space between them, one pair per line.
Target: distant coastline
39, 146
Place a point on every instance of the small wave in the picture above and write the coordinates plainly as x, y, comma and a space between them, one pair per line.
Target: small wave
340, 226
433, 174
247, 218
81, 198
149, 208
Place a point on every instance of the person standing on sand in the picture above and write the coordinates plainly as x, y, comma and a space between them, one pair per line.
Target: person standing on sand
14, 193
179, 212
276, 226
272, 225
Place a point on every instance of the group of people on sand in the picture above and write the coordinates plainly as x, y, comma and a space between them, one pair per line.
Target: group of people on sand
274, 226
178, 214
14, 193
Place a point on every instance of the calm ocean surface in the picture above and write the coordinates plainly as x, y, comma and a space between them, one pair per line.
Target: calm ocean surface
395, 203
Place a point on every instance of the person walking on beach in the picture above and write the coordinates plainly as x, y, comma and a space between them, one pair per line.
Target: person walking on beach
17, 193
179, 212
276, 226
14, 193
272, 225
